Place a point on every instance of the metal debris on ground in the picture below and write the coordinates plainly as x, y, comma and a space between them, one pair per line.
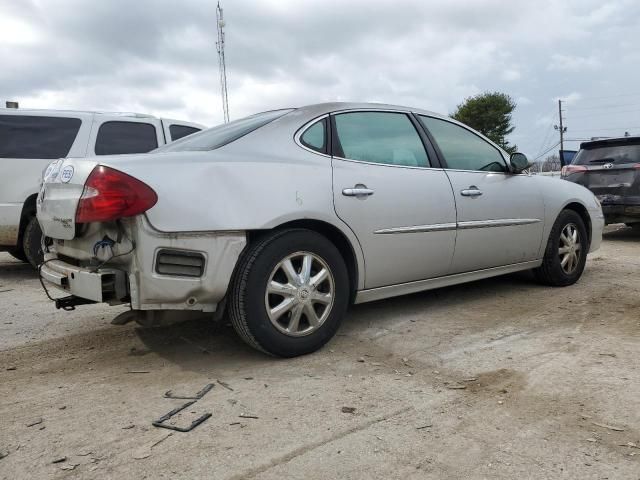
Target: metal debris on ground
160, 423
428, 425
456, 386
348, 409
190, 342
609, 427
244, 415
138, 371
59, 460
225, 385
197, 396
35, 422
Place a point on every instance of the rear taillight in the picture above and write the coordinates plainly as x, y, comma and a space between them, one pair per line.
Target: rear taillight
110, 194
569, 169
636, 166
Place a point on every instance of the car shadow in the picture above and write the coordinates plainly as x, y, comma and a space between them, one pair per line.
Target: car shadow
14, 270
621, 233
202, 345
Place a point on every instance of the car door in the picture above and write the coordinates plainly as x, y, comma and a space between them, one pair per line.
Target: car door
397, 201
500, 214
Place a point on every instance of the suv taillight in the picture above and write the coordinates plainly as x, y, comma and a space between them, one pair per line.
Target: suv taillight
569, 169
110, 194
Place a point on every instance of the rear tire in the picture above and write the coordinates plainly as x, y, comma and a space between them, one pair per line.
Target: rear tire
32, 242
18, 254
566, 252
289, 293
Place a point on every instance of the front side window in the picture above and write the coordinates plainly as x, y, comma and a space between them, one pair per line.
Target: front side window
116, 138
379, 137
23, 136
315, 137
179, 131
463, 149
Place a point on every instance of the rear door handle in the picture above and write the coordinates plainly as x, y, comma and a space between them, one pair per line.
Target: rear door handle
471, 192
357, 191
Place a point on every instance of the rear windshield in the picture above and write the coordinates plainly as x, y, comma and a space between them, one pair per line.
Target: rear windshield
616, 154
216, 137
24, 136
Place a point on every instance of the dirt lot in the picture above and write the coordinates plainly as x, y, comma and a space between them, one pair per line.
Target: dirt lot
495, 379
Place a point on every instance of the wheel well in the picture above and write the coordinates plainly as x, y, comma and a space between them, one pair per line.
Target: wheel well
584, 214
28, 211
334, 235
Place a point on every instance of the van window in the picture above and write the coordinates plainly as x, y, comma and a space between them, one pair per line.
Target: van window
115, 138
179, 131
23, 136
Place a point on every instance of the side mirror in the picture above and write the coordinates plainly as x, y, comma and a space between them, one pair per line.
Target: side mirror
519, 162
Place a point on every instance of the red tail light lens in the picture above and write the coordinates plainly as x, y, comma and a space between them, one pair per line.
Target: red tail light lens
569, 169
110, 194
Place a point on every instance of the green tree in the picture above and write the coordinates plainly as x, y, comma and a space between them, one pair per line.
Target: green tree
490, 114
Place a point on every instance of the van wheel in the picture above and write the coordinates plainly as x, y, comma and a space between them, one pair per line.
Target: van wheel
566, 252
289, 293
32, 242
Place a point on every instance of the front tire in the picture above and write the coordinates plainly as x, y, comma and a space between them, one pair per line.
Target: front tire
289, 293
566, 252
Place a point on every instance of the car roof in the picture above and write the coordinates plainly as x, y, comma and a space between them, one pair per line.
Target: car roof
322, 108
611, 142
42, 111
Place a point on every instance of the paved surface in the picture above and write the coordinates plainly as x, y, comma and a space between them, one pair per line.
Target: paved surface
496, 379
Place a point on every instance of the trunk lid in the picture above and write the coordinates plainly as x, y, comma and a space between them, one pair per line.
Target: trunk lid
62, 186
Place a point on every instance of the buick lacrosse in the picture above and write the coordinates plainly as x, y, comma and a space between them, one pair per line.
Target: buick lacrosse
284, 218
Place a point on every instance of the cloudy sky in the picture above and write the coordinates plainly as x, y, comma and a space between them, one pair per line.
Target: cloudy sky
159, 57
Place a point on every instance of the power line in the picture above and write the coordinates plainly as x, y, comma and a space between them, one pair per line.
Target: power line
600, 107
635, 110
546, 151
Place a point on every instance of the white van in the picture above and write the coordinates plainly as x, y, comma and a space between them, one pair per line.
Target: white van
30, 139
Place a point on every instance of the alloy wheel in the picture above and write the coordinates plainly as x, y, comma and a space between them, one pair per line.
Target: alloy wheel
299, 294
570, 248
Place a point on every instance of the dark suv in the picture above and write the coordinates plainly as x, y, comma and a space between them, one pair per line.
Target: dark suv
611, 170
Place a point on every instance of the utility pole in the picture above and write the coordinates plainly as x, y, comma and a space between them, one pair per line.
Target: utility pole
561, 128
221, 62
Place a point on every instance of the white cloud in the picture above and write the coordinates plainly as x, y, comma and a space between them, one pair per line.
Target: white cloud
573, 63
159, 56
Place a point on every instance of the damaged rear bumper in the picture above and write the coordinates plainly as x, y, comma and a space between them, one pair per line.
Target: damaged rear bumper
157, 271
105, 285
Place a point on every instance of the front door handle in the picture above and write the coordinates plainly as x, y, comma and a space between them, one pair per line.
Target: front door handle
357, 191
472, 191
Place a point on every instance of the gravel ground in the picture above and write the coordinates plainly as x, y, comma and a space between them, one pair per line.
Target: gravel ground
498, 379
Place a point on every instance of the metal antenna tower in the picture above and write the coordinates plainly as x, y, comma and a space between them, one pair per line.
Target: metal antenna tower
221, 63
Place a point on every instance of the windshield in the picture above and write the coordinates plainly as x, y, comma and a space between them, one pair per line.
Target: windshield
616, 154
216, 137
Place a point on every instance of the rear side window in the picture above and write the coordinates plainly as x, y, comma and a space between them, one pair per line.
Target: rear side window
379, 137
115, 138
224, 134
463, 149
615, 154
315, 137
179, 131
23, 136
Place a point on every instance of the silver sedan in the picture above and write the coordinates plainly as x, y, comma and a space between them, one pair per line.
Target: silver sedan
284, 218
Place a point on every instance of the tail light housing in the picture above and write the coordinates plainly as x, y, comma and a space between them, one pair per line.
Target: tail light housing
569, 169
110, 194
